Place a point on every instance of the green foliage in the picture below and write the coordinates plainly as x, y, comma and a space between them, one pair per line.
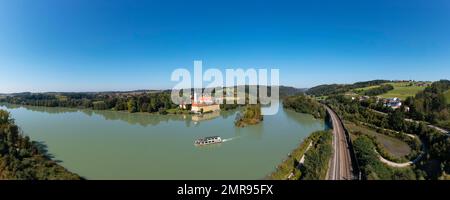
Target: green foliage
396, 120
431, 104
132, 105
404, 90
447, 96
4, 117
382, 151
317, 158
379, 90
228, 106
304, 104
333, 89
99, 105
388, 142
372, 168
249, 116
139, 102
437, 142
291, 163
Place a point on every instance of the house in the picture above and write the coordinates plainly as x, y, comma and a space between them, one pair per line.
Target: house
394, 99
422, 84
394, 103
364, 98
204, 104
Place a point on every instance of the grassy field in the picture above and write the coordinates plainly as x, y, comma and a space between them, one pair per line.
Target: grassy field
393, 145
447, 96
401, 90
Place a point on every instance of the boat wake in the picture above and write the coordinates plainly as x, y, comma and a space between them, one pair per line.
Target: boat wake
229, 139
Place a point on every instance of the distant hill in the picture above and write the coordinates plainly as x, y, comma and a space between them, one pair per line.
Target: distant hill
289, 91
400, 89
283, 90
325, 90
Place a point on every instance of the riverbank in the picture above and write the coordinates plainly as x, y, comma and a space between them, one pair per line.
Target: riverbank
308, 160
23, 159
151, 146
305, 104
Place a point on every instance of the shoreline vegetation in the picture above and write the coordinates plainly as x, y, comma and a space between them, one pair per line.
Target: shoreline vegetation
315, 163
309, 160
23, 159
304, 104
145, 101
250, 115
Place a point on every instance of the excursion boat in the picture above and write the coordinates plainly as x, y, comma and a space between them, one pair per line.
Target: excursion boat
208, 140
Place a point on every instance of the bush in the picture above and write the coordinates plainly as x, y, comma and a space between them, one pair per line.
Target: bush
317, 158
304, 104
372, 168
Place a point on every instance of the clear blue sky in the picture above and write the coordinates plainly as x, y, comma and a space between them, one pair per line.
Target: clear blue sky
92, 45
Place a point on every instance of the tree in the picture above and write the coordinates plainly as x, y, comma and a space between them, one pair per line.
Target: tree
132, 106
4, 117
12, 133
144, 107
99, 105
396, 120
3, 148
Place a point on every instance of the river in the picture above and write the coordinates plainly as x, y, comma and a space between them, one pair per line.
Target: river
120, 145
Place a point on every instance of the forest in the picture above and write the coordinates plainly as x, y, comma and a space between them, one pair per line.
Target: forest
431, 104
333, 89
304, 104
155, 102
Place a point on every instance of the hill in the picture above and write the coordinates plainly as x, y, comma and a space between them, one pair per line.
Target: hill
325, 90
401, 89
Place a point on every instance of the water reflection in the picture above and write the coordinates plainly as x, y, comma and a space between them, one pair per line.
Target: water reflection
143, 119
306, 120
106, 144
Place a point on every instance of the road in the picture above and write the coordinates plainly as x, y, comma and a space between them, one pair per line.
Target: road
411, 120
340, 164
399, 165
302, 160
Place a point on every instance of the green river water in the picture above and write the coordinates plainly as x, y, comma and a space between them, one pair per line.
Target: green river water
120, 145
